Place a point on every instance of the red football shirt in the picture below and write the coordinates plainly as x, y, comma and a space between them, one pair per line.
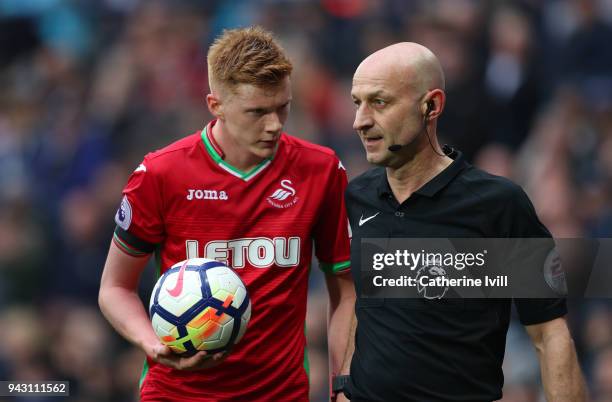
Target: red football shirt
184, 201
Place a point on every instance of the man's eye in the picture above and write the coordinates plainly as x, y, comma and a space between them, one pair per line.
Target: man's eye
379, 102
258, 112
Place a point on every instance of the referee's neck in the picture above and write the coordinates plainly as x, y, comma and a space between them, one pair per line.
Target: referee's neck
415, 173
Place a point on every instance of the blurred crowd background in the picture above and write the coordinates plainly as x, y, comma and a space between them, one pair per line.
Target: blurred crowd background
87, 87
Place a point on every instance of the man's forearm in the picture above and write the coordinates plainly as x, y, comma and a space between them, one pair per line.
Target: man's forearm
350, 347
341, 310
561, 374
340, 332
125, 312
340, 324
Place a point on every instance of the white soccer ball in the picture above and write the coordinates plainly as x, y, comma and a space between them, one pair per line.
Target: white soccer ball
199, 304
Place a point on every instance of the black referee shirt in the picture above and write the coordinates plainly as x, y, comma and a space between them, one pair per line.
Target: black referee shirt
437, 350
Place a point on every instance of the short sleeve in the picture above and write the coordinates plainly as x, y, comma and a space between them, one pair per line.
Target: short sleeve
520, 217
139, 216
331, 231
536, 311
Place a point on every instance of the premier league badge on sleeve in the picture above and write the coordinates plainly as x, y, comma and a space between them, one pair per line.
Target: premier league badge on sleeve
123, 217
554, 274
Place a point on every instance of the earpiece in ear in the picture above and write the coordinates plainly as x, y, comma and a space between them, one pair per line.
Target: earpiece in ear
430, 107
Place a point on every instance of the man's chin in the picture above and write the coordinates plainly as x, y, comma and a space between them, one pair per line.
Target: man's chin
265, 153
375, 159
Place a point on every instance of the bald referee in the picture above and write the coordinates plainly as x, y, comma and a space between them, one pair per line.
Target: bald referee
417, 349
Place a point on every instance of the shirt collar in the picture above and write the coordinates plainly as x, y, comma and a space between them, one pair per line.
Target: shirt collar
216, 153
216, 149
433, 186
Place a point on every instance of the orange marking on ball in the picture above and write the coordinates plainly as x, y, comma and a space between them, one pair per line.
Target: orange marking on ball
209, 330
203, 319
209, 326
228, 301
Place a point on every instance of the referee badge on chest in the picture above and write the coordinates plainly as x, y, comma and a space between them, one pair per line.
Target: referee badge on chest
284, 195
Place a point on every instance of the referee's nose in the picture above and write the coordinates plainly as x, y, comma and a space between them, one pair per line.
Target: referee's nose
363, 118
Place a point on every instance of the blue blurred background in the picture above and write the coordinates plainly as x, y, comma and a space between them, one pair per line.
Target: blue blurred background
88, 87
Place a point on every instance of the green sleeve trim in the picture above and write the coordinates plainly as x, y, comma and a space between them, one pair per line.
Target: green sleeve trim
134, 242
143, 374
334, 268
306, 360
127, 248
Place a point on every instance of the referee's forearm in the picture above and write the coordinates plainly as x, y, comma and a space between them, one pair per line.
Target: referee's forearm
561, 374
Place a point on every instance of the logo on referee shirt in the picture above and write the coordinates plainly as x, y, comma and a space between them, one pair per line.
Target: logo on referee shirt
363, 220
284, 196
123, 217
426, 275
554, 274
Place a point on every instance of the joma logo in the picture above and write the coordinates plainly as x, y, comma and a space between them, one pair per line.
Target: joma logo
199, 194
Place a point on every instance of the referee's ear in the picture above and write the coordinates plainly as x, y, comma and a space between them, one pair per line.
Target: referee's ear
433, 104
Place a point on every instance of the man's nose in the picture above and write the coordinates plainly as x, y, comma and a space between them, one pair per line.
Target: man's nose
273, 123
363, 118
